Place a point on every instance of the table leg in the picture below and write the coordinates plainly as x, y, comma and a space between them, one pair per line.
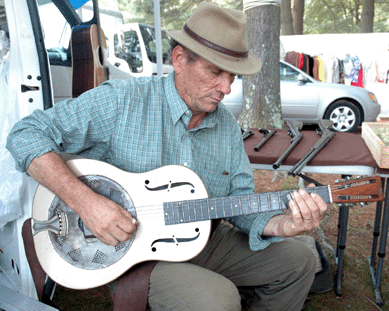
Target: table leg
376, 234
341, 245
376, 274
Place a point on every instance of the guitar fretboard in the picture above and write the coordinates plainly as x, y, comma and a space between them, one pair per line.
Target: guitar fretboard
214, 208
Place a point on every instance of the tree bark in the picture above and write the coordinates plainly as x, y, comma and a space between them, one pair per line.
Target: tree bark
367, 16
261, 92
298, 16
286, 18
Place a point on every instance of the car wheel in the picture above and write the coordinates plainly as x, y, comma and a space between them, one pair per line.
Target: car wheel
345, 115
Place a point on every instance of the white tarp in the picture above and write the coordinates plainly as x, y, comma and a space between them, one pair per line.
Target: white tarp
11, 180
371, 48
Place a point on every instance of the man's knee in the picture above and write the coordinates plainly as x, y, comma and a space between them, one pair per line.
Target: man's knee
302, 261
182, 286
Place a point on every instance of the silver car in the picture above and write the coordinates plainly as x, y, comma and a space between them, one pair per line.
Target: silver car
308, 100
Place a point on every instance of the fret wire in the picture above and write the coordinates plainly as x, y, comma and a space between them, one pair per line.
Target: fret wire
192, 213
215, 208
249, 204
224, 209
209, 211
269, 201
180, 213
186, 204
166, 214
176, 215
195, 211
170, 213
212, 209
201, 208
206, 215
279, 200
258, 202
236, 209
262, 198
198, 212
255, 203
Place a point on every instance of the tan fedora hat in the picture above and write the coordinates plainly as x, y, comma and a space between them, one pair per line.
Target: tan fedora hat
219, 36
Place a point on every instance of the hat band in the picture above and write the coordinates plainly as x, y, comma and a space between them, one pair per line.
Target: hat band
214, 46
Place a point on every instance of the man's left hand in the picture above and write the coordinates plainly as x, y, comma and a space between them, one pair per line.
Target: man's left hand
305, 213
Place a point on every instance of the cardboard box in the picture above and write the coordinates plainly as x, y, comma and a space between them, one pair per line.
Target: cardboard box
376, 137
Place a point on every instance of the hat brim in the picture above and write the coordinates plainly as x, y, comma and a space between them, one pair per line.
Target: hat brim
241, 66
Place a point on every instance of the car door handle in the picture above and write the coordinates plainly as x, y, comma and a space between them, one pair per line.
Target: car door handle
28, 88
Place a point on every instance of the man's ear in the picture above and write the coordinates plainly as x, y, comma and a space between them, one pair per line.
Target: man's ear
178, 58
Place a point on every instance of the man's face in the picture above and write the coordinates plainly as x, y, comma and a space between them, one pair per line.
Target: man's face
201, 84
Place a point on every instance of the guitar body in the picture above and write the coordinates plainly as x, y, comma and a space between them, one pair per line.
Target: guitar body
88, 58
143, 195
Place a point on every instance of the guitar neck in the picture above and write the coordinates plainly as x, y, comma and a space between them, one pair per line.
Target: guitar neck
214, 208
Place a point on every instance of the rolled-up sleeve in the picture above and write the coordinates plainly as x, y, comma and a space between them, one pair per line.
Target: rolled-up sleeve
75, 125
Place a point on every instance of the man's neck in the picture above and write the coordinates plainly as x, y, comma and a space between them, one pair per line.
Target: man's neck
196, 120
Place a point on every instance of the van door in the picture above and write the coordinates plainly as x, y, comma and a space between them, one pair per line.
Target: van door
25, 85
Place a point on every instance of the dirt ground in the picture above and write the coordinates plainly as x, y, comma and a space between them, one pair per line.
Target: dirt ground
357, 287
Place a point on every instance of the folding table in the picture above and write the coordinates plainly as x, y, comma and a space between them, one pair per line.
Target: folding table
346, 154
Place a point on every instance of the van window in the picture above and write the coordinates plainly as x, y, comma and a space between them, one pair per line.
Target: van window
57, 31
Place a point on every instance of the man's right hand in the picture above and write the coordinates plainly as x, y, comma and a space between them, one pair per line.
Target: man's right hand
108, 221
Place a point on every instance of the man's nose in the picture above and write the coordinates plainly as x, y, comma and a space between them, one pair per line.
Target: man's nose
225, 81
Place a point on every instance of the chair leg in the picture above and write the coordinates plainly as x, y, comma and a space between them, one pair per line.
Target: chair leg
43, 284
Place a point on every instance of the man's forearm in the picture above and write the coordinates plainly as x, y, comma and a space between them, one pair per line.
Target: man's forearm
50, 171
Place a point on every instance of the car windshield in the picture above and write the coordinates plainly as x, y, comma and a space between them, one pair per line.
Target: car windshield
287, 73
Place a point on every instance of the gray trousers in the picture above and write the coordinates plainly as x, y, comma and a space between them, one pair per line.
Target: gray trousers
281, 276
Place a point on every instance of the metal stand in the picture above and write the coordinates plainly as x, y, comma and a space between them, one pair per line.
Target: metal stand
376, 271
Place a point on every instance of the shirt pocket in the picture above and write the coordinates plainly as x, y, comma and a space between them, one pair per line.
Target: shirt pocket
216, 177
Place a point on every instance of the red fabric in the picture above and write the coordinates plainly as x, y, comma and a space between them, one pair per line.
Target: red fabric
360, 78
301, 61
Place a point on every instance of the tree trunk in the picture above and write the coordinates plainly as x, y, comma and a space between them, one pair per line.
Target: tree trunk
261, 92
367, 16
286, 18
298, 16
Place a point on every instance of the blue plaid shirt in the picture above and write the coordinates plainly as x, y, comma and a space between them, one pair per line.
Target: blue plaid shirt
139, 125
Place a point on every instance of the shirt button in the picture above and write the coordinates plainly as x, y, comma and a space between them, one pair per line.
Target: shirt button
185, 164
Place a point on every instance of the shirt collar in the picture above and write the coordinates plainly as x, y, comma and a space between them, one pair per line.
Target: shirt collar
178, 107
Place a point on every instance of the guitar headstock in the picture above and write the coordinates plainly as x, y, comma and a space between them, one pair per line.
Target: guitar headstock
355, 190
